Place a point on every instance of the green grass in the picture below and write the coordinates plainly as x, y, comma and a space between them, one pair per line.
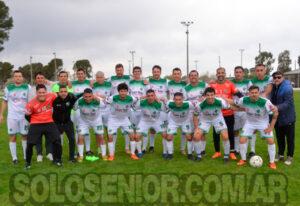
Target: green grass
154, 164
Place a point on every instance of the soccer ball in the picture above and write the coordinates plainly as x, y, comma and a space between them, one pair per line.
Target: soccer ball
256, 161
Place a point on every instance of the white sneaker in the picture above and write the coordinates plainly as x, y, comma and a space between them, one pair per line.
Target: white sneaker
50, 157
39, 158
288, 161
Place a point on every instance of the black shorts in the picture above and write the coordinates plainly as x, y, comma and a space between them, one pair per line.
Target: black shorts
36, 131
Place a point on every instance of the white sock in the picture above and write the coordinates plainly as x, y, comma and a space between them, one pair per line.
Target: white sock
76, 137
243, 151
203, 145
24, 145
226, 147
139, 146
127, 140
103, 149
87, 140
198, 148
183, 142
145, 141
252, 143
164, 146
152, 140
132, 147
237, 143
247, 143
111, 148
115, 139
190, 147
13, 150
62, 139
80, 150
170, 146
272, 152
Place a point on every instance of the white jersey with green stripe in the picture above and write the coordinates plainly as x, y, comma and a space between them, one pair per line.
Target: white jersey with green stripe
150, 112
89, 112
242, 86
257, 112
160, 87
175, 87
194, 93
211, 112
16, 98
79, 87
115, 81
262, 84
179, 114
104, 89
137, 88
120, 108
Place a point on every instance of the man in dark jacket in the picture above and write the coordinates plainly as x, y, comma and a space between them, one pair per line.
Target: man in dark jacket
62, 107
282, 96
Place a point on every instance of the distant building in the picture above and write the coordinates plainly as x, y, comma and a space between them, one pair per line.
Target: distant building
294, 77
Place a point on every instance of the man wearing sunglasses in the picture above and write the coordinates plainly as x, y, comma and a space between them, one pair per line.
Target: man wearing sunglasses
282, 96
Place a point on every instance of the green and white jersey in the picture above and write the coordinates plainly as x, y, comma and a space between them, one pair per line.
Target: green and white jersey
89, 112
160, 87
103, 89
257, 112
137, 88
150, 112
195, 92
115, 81
262, 84
179, 114
79, 87
175, 87
242, 86
211, 112
16, 98
120, 108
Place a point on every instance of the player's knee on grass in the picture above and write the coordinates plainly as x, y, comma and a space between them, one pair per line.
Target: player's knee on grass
131, 136
24, 137
270, 141
188, 137
243, 140
169, 137
138, 136
164, 135
13, 138
236, 133
80, 139
224, 135
102, 139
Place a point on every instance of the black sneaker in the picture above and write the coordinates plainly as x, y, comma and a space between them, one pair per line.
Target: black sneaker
236, 153
226, 160
251, 154
89, 152
190, 157
144, 151
15, 162
151, 149
27, 167
198, 159
203, 153
73, 161
169, 157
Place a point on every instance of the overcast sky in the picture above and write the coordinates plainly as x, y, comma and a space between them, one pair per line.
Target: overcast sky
104, 32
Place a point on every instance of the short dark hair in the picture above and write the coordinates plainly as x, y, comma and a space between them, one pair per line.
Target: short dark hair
150, 91
260, 65
239, 67
80, 69
63, 72
87, 91
62, 86
17, 71
178, 94
176, 69
253, 87
39, 73
122, 86
40, 86
220, 68
136, 67
118, 66
157, 67
209, 89
194, 71
277, 73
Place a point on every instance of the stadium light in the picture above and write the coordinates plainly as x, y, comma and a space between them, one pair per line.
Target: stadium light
187, 24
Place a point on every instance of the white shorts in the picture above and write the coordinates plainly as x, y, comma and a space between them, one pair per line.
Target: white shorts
83, 126
17, 126
219, 125
249, 129
105, 115
144, 126
185, 127
164, 117
114, 124
135, 117
239, 120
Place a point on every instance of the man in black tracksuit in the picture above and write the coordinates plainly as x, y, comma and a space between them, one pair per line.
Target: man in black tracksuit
62, 107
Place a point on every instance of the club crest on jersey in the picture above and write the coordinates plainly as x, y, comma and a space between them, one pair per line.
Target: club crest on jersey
68, 104
24, 94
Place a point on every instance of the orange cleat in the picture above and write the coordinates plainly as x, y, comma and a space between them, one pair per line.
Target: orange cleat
133, 156
232, 156
127, 151
105, 157
241, 162
216, 155
111, 158
273, 165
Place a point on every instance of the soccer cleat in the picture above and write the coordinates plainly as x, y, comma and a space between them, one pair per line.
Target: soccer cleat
111, 158
59, 164
198, 159
73, 161
75, 156
203, 153
164, 155
144, 151
251, 154
226, 160
288, 161
232, 156
133, 156
140, 155
105, 158
241, 162
151, 149
127, 151
190, 157
15, 162
39, 158
183, 152
216, 155
273, 165
169, 157
27, 167
49, 156
89, 152
279, 158
80, 159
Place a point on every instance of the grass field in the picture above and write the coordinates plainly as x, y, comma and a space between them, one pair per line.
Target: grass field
207, 176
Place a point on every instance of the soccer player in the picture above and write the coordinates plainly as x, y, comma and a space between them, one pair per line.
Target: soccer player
160, 87
178, 116
150, 110
225, 88
90, 117
177, 85
78, 87
258, 110
16, 98
242, 85
119, 118
211, 115
39, 113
